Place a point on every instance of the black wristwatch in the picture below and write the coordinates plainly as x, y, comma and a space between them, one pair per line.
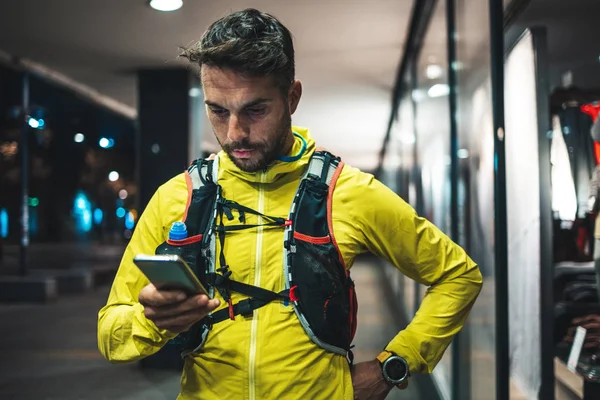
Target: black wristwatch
395, 368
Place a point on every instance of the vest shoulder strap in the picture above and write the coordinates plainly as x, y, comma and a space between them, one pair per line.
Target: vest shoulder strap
200, 173
327, 168
324, 166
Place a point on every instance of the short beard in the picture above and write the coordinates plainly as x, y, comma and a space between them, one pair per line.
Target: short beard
268, 151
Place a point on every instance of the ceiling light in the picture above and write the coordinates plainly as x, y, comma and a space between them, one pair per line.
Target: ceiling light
438, 90
166, 5
463, 153
433, 71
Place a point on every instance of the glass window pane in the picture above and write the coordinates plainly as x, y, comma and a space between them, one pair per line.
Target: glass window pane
432, 125
476, 190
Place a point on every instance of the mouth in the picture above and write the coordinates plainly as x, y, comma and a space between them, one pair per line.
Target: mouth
242, 153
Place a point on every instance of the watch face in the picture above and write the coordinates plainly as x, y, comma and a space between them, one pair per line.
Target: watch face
395, 368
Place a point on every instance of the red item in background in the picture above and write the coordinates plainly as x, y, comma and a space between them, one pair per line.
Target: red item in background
593, 110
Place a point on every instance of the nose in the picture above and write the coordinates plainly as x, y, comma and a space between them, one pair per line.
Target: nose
235, 130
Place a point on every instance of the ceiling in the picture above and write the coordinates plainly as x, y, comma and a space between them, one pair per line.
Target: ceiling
572, 33
347, 53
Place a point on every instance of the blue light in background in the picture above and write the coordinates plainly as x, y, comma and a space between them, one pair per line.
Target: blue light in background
4, 223
98, 215
129, 222
106, 143
86, 220
33, 221
82, 211
34, 123
120, 212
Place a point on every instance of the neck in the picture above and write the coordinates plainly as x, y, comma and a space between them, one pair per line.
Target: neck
288, 144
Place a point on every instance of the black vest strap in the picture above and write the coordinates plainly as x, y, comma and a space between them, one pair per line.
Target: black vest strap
219, 280
258, 296
244, 307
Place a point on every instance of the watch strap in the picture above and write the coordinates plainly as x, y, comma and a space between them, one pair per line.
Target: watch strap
384, 355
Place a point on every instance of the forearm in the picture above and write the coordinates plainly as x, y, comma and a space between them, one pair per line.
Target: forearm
125, 335
440, 317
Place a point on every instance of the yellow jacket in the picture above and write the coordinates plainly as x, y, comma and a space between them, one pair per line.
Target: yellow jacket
268, 355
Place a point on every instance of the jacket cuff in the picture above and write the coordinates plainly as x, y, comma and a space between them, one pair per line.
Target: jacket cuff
416, 363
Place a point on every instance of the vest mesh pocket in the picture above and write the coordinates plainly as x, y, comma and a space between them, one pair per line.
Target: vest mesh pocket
322, 292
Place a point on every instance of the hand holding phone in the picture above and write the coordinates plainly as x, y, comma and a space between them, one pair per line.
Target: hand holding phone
174, 310
175, 300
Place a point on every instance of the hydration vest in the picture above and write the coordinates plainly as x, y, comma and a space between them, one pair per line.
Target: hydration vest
317, 284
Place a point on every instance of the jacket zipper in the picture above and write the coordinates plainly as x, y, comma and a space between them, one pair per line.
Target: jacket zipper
257, 273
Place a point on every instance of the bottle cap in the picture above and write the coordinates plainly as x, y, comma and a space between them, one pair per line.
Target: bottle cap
178, 231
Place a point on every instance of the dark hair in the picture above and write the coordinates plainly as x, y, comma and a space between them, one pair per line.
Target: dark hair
250, 42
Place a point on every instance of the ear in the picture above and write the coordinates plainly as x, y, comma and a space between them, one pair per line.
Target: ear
294, 95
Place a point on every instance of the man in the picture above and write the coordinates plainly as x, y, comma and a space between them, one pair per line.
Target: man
246, 61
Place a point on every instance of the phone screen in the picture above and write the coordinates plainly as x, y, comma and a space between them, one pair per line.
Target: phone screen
169, 273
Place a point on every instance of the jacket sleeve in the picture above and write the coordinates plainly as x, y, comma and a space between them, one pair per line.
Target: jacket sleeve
124, 333
391, 229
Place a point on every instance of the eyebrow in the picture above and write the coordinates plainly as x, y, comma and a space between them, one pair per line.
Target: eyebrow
249, 104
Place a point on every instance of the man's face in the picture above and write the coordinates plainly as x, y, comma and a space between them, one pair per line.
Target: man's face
250, 116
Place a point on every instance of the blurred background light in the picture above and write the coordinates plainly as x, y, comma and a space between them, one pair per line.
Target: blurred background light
438, 90
3, 223
166, 5
98, 215
82, 211
113, 176
129, 222
79, 137
34, 123
106, 143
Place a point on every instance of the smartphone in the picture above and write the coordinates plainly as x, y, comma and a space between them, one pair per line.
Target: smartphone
169, 272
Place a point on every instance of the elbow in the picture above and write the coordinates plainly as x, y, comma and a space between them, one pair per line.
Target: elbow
111, 343
106, 346
114, 352
478, 279
475, 280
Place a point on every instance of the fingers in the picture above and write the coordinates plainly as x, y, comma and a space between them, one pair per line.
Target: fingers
193, 303
151, 297
182, 322
181, 316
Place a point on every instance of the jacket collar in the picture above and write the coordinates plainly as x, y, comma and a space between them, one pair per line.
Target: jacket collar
277, 168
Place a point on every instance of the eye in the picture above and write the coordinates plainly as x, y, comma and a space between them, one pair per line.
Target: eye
256, 111
219, 112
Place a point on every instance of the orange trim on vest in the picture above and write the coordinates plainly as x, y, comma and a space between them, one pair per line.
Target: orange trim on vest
190, 188
312, 239
334, 179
